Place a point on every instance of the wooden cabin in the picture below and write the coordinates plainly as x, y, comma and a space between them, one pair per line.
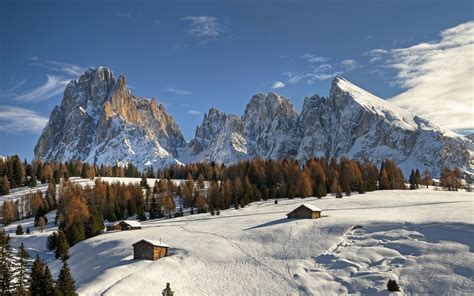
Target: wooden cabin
123, 225
305, 211
149, 250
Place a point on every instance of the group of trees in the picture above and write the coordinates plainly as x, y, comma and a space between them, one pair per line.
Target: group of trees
239, 184
451, 179
17, 277
15, 173
81, 211
32, 204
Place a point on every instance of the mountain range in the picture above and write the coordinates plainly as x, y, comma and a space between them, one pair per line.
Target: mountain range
100, 121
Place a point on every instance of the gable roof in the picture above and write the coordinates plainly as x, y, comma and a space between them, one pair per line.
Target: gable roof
310, 207
153, 242
131, 223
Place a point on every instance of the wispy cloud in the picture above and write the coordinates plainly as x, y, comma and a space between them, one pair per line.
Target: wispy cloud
437, 77
311, 58
349, 65
53, 86
278, 84
179, 92
13, 85
67, 69
205, 27
193, 112
17, 120
376, 54
320, 69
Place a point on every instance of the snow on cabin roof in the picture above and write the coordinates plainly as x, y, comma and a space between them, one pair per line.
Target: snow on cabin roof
312, 207
153, 242
132, 223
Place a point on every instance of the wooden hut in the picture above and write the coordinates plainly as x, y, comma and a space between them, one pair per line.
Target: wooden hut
149, 250
305, 211
123, 225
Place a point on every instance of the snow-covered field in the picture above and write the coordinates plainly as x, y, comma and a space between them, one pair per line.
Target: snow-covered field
424, 239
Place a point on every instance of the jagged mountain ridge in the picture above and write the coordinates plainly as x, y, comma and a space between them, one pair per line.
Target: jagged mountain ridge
349, 122
100, 121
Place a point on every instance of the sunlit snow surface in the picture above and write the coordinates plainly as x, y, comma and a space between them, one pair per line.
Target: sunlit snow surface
424, 239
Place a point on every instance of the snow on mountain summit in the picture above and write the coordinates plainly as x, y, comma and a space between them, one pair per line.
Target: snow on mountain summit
101, 121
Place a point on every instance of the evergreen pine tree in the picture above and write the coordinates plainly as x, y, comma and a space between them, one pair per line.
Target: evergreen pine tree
4, 186
412, 181
22, 275
167, 291
28, 231
48, 284
33, 181
19, 230
417, 178
6, 265
66, 283
62, 246
37, 277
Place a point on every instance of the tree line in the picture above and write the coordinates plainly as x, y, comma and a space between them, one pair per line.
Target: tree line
18, 277
15, 173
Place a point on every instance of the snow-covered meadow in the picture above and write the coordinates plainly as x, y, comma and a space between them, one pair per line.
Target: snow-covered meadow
424, 239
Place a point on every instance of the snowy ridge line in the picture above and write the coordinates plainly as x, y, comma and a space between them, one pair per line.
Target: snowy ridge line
118, 127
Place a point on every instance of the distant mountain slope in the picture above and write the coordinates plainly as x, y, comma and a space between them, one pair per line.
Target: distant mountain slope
100, 121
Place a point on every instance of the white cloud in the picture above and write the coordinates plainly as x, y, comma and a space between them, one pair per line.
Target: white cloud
179, 92
349, 64
311, 58
278, 84
438, 77
376, 54
66, 68
203, 26
53, 86
19, 120
320, 69
193, 112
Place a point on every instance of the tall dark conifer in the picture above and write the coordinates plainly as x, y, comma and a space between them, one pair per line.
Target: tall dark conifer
66, 283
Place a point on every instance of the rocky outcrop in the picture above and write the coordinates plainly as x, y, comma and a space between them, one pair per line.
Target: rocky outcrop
352, 122
101, 121
219, 138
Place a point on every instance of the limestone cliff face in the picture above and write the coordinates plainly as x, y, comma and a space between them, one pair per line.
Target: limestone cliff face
352, 122
349, 122
101, 121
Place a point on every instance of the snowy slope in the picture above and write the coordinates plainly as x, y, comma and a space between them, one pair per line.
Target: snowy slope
352, 122
423, 239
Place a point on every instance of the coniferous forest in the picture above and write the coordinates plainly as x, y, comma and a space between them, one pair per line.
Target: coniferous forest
208, 187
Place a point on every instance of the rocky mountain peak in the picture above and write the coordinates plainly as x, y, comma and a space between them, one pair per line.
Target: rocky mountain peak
101, 121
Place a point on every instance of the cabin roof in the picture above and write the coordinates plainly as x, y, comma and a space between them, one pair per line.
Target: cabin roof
153, 243
131, 223
310, 207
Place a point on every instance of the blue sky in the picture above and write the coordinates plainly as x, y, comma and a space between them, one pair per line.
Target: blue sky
195, 55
